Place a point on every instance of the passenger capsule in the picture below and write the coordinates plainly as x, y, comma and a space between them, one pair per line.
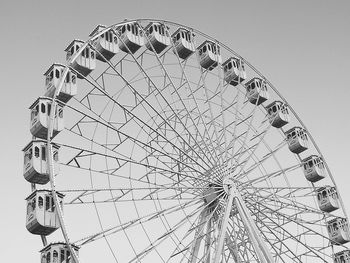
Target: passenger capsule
86, 60
256, 91
338, 231
106, 44
53, 78
342, 257
40, 115
58, 252
131, 37
209, 55
278, 114
158, 36
183, 41
41, 215
297, 140
314, 168
327, 198
234, 72
35, 162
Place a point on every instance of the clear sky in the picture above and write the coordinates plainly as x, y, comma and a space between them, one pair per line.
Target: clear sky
303, 47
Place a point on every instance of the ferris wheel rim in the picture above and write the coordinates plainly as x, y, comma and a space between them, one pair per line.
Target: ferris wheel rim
86, 43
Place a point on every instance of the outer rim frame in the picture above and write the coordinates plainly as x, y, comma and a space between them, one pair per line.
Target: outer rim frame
193, 30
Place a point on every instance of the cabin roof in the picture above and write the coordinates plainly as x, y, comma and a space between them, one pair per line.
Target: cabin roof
51, 67
182, 29
230, 59
44, 98
252, 80
97, 29
294, 129
43, 190
313, 156
73, 42
320, 189
336, 220
47, 247
38, 140
342, 252
274, 103
153, 23
205, 42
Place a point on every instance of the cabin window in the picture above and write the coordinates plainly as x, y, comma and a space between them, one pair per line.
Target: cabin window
183, 34
36, 152
133, 29
43, 153
40, 202
319, 197
42, 107
73, 79
92, 55
47, 203
63, 254
324, 194
55, 256
57, 74
48, 257
204, 49
252, 86
71, 50
48, 109
209, 47
123, 29
115, 40
229, 65
55, 156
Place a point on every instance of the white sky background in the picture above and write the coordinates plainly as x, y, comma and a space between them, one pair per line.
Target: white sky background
302, 47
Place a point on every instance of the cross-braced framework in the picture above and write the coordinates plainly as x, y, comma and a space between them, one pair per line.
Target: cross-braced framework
163, 160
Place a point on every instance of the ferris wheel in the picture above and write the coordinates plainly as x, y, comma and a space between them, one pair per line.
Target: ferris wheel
155, 142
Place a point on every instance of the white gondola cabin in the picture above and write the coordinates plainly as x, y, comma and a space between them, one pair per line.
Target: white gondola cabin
327, 198
106, 44
256, 91
209, 55
53, 78
234, 72
41, 215
131, 37
86, 60
342, 257
39, 118
158, 36
338, 230
297, 140
58, 252
183, 41
314, 168
278, 114
35, 162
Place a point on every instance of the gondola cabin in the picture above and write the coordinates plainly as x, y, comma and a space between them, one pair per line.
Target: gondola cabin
41, 215
183, 41
58, 253
40, 115
35, 168
278, 114
86, 60
209, 55
158, 37
52, 79
256, 91
327, 198
234, 72
342, 257
338, 230
106, 44
314, 168
131, 37
297, 140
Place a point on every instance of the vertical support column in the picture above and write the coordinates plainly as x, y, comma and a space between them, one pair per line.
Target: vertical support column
224, 223
198, 238
207, 247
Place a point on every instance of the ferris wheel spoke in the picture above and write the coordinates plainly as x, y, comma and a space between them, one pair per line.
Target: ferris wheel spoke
307, 231
184, 107
191, 94
188, 133
133, 222
128, 112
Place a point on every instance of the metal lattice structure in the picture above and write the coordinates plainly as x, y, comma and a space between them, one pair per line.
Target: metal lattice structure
169, 154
